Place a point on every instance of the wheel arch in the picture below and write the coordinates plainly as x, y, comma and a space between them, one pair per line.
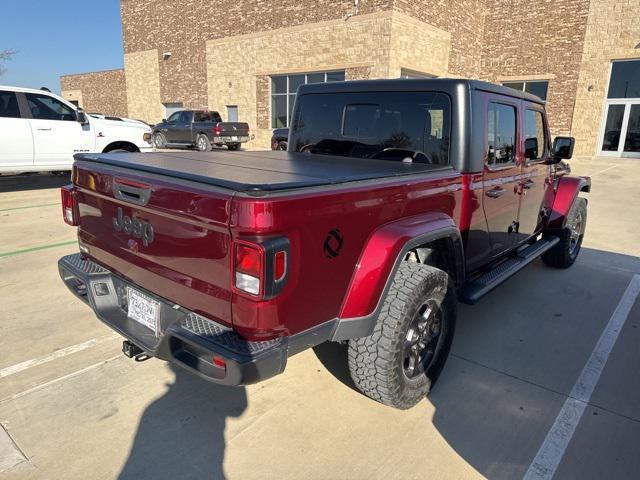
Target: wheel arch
121, 145
380, 259
567, 190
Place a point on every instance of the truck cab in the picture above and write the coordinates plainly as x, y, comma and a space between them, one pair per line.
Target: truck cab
41, 131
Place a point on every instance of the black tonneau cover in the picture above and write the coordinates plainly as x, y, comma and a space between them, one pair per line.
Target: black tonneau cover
255, 172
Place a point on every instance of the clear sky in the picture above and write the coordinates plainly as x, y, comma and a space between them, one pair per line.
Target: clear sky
57, 37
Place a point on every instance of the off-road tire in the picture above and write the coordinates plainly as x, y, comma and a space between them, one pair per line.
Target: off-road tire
233, 146
159, 140
202, 143
564, 253
376, 362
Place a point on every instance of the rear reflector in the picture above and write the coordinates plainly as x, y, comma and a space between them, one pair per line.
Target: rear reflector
219, 362
280, 266
68, 208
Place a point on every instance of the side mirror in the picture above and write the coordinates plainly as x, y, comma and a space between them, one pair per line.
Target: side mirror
81, 117
164, 120
563, 148
531, 148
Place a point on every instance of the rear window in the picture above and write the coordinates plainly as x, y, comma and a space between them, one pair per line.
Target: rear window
395, 126
207, 117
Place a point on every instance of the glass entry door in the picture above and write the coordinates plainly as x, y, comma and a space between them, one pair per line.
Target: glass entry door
621, 132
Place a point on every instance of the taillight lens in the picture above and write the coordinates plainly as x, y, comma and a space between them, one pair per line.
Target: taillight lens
248, 268
68, 208
216, 129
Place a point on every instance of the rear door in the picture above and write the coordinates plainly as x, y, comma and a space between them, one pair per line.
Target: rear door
56, 133
502, 174
16, 142
533, 186
180, 250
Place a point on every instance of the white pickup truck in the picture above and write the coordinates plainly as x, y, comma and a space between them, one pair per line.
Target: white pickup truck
40, 131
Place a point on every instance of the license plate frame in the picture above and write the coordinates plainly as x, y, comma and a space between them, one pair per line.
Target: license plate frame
144, 310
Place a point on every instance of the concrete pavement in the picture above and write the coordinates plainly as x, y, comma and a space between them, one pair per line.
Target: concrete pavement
92, 413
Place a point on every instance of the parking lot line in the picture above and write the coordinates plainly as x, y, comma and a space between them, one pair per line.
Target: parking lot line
63, 352
29, 206
546, 461
35, 249
60, 379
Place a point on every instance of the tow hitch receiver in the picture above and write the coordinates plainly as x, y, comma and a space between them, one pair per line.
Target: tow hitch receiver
130, 349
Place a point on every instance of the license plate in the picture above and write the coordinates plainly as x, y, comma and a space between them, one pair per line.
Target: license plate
235, 139
143, 310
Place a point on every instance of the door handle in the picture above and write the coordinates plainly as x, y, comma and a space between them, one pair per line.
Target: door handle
495, 192
44, 129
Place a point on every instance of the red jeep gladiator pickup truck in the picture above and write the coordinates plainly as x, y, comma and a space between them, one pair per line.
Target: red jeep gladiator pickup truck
396, 199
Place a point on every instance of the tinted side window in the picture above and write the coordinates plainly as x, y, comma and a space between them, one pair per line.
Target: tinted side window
535, 140
174, 117
9, 105
44, 107
501, 126
185, 117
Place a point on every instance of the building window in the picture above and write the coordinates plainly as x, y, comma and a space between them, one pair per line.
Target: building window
283, 93
537, 87
232, 113
406, 73
625, 79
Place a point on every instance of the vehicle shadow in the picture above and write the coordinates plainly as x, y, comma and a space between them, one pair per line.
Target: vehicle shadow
181, 434
516, 356
35, 181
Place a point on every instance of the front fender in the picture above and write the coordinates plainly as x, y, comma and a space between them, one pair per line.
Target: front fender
378, 262
566, 192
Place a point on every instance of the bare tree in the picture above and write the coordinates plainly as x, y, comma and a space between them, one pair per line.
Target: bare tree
6, 55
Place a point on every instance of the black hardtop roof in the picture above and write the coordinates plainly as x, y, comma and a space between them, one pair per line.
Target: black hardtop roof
415, 84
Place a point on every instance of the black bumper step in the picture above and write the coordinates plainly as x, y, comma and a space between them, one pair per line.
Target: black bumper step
477, 288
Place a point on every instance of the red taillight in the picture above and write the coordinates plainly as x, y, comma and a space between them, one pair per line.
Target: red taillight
219, 362
216, 129
280, 266
68, 207
248, 268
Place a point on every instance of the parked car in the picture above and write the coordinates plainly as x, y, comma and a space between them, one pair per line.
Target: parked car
280, 139
395, 199
41, 131
200, 129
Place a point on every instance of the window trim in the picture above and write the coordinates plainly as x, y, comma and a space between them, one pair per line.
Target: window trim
503, 166
288, 93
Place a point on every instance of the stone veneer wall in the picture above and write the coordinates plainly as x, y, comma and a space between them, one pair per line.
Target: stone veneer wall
183, 27
367, 46
143, 86
613, 31
102, 92
524, 41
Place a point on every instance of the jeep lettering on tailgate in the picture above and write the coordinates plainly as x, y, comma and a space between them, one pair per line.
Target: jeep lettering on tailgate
133, 226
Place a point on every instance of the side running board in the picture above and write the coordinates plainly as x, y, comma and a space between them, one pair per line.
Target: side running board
480, 286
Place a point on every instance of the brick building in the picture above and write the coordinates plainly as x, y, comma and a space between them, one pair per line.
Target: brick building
246, 58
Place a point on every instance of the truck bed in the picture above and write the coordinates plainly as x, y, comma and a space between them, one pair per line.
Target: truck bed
259, 172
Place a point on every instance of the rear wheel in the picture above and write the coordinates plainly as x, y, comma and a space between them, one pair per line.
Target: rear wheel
159, 140
202, 143
233, 146
564, 253
401, 360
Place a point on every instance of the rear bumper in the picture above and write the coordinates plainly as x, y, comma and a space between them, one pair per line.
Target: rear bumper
184, 338
230, 139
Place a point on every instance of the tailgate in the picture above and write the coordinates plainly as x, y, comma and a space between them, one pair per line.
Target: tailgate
234, 129
167, 235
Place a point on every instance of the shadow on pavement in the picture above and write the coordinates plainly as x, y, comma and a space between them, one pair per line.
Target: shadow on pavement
181, 434
35, 181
